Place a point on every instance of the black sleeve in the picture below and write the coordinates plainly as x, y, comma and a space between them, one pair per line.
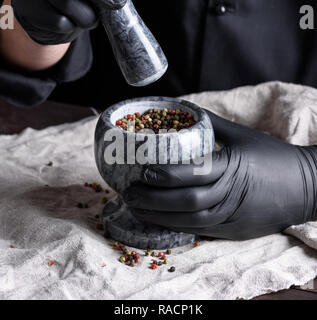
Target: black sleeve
24, 89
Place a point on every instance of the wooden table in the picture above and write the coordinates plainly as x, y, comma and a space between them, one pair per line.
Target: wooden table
14, 120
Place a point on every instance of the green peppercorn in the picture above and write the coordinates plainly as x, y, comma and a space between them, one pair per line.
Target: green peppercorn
122, 259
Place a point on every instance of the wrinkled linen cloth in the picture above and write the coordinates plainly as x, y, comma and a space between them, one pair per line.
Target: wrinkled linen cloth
59, 254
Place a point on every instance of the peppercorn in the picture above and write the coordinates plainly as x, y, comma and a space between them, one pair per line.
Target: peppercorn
189, 116
153, 254
168, 251
156, 119
80, 205
122, 259
51, 263
165, 261
104, 200
153, 266
172, 269
196, 244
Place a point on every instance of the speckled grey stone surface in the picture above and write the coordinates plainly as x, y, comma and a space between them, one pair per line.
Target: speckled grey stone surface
138, 54
117, 218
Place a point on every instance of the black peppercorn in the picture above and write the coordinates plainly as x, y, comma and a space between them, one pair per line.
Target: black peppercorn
172, 269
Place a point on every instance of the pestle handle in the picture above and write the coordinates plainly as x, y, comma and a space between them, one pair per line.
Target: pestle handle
139, 56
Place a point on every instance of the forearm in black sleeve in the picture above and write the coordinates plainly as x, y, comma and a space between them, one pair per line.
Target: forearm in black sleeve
24, 89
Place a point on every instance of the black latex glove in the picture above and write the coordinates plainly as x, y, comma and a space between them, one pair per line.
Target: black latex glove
51, 22
259, 185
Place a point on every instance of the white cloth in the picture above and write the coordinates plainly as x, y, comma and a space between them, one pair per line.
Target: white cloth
44, 223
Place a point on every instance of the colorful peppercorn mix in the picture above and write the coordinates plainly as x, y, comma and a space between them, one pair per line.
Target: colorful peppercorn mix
130, 258
156, 120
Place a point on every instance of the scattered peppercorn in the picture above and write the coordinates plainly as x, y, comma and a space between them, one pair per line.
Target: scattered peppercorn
12, 246
153, 254
165, 261
80, 205
153, 266
156, 120
171, 269
50, 164
130, 258
51, 263
168, 251
196, 244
